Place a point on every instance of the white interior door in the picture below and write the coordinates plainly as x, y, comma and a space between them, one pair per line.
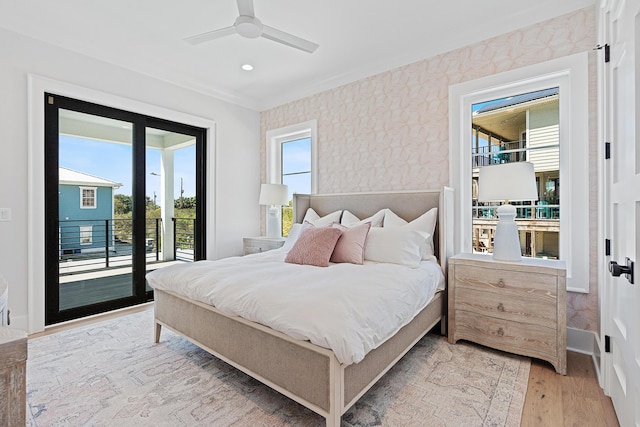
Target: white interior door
621, 309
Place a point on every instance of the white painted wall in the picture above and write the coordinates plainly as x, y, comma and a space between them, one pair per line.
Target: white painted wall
234, 146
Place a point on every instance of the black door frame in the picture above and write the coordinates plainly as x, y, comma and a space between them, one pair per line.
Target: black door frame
140, 123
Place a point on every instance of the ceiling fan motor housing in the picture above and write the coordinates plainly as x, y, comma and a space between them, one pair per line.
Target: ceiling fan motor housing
248, 26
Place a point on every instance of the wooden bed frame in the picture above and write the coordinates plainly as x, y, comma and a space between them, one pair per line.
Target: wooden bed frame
309, 374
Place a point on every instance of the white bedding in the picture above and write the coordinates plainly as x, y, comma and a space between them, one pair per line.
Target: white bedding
350, 309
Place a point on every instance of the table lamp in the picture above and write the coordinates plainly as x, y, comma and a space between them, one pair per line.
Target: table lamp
274, 195
502, 183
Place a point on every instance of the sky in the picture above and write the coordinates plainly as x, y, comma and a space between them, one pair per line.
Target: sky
296, 158
113, 162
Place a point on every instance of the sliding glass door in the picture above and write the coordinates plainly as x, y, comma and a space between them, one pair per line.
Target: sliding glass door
124, 194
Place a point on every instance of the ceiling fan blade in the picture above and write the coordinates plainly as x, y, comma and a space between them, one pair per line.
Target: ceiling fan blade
211, 35
288, 39
245, 7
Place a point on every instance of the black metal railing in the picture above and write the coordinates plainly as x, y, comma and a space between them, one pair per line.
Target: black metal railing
507, 152
535, 212
184, 231
87, 245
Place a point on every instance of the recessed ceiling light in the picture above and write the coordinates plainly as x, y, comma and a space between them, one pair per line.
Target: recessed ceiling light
247, 67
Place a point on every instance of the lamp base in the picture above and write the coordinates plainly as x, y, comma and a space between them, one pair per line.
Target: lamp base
273, 223
506, 243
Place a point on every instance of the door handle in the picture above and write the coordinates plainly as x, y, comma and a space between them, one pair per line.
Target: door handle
617, 270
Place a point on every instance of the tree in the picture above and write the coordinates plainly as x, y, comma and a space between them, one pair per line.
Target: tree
122, 204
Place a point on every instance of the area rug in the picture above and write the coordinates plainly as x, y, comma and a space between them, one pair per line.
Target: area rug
111, 373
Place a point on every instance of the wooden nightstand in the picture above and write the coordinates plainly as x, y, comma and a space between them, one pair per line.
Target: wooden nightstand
253, 245
519, 307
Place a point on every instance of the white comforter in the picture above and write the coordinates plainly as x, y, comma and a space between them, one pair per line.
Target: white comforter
350, 309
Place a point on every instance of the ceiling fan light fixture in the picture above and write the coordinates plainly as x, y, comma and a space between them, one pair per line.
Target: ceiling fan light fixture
248, 26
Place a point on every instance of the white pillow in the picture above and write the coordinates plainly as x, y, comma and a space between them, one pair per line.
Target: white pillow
425, 223
395, 245
294, 233
350, 220
313, 218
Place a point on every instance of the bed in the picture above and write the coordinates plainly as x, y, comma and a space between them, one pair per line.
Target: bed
311, 374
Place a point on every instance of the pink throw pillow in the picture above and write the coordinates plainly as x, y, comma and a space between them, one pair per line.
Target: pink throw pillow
350, 245
314, 246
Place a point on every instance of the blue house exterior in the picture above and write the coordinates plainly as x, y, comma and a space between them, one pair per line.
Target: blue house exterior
85, 212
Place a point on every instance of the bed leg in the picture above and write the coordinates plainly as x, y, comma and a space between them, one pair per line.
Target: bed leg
158, 329
334, 420
443, 326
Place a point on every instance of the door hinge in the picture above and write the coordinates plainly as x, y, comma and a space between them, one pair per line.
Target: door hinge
607, 150
607, 247
607, 344
607, 51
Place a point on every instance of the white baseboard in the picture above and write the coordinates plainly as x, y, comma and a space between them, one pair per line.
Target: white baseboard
581, 341
586, 342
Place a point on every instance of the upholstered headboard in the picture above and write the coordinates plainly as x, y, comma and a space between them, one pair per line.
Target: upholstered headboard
409, 205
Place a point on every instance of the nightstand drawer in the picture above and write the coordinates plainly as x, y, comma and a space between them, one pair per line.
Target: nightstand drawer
516, 337
491, 279
530, 309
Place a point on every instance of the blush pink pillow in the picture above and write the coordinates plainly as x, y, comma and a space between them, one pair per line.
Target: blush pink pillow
350, 245
314, 246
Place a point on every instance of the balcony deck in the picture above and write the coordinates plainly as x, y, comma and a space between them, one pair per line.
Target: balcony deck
79, 287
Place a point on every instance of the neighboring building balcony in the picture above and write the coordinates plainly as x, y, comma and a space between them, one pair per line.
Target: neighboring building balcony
538, 227
539, 212
507, 152
543, 156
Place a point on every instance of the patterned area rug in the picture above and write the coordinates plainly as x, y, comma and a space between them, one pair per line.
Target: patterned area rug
112, 374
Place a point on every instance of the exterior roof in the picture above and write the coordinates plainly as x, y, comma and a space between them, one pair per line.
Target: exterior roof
518, 99
69, 176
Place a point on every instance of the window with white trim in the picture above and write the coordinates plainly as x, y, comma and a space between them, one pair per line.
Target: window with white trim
86, 234
499, 135
292, 160
570, 75
88, 197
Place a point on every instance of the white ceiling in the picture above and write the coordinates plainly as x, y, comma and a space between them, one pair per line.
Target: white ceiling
357, 38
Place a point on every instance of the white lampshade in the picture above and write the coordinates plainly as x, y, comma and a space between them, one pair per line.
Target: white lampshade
507, 181
274, 194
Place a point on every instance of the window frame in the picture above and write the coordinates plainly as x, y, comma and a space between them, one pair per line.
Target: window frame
95, 197
86, 231
277, 137
570, 74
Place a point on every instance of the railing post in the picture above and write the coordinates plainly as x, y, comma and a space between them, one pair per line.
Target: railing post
106, 243
175, 240
157, 241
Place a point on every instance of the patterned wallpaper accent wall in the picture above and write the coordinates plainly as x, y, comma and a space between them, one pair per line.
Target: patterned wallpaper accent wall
390, 131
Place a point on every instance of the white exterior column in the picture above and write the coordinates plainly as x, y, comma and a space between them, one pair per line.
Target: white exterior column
167, 203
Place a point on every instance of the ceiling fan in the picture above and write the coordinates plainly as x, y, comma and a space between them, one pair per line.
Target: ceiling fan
247, 25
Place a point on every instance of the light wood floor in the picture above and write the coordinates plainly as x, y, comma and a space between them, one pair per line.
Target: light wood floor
572, 400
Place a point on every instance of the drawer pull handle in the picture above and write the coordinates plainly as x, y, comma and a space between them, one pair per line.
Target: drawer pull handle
500, 332
501, 283
500, 307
